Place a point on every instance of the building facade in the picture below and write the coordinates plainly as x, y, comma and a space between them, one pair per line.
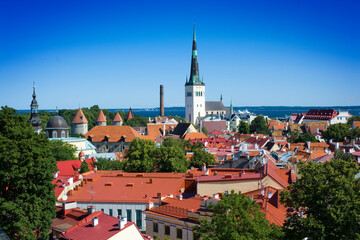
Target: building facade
194, 90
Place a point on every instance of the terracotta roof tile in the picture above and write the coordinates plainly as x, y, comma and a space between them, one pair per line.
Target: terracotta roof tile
101, 117
117, 117
79, 117
194, 135
156, 130
130, 115
115, 133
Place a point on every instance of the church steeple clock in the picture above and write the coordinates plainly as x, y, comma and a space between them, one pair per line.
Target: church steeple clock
34, 118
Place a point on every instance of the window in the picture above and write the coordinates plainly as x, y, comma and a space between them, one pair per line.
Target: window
155, 227
110, 212
63, 134
54, 135
128, 215
188, 94
167, 230
139, 218
119, 212
179, 233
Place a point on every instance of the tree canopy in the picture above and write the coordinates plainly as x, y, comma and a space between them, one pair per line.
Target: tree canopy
352, 119
140, 156
244, 128
236, 216
258, 125
296, 138
200, 157
327, 197
62, 150
27, 199
105, 164
336, 132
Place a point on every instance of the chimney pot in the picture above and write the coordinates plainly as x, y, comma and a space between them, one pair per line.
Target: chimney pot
95, 221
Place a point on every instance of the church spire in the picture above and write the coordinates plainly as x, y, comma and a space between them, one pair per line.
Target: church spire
194, 71
34, 117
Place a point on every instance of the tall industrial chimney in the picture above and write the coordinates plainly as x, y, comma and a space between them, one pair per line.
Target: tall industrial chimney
161, 100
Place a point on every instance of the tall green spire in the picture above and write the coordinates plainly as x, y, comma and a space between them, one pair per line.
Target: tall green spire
194, 71
231, 107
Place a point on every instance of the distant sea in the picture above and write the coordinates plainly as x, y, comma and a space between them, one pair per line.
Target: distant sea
270, 111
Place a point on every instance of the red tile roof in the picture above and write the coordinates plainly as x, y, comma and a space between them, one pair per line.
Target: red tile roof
156, 130
68, 167
212, 126
117, 117
112, 133
321, 114
356, 124
130, 115
127, 187
79, 117
101, 117
107, 227
194, 135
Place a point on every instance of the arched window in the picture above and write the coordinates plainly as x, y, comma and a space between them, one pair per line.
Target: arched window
63, 134
54, 134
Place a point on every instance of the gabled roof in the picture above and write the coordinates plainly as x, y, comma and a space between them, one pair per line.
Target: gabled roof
101, 117
68, 167
112, 133
117, 117
194, 135
181, 129
106, 228
156, 130
214, 105
79, 117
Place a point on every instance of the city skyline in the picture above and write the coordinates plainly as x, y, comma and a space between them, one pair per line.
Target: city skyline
116, 54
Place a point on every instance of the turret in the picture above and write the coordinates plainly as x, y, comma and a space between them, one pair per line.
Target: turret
117, 120
130, 115
101, 119
34, 118
79, 124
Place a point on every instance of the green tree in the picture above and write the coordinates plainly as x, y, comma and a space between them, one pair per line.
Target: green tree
328, 196
337, 132
352, 119
354, 133
171, 159
204, 130
236, 216
62, 150
258, 125
140, 156
84, 167
105, 164
244, 128
304, 138
27, 199
200, 157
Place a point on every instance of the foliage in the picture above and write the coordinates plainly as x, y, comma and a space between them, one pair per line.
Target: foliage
105, 164
337, 132
200, 157
354, 133
352, 119
204, 130
258, 125
328, 195
236, 216
244, 128
27, 199
137, 121
140, 156
304, 138
62, 150
171, 158
84, 167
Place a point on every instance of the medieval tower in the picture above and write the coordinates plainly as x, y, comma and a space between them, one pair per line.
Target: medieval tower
194, 90
79, 124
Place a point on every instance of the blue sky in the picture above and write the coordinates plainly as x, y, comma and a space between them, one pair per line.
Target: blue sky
117, 53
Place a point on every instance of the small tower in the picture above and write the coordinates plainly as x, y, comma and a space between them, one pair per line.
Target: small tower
231, 108
194, 90
130, 115
81, 156
117, 120
221, 98
79, 124
34, 118
101, 119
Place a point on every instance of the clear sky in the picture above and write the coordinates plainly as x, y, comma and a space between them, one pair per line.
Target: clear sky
116, 53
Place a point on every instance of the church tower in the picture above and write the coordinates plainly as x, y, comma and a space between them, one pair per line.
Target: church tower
194, 90
34, 118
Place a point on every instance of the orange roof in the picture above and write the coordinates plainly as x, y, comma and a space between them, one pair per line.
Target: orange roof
101, 117
117, 117
117, 186
130, 115
194, 135
156, 130
112, 133
356, 124
79, 117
